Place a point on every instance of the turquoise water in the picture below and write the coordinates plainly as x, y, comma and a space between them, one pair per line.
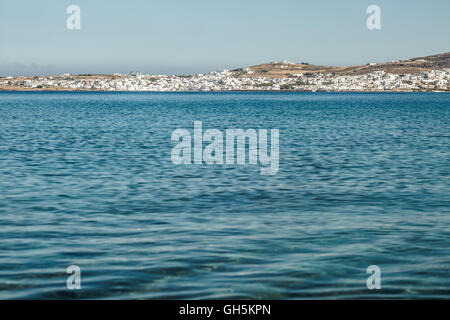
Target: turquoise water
87, 179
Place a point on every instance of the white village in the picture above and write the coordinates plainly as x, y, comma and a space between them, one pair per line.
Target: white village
237, 80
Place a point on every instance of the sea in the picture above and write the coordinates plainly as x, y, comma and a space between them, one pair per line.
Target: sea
87, 179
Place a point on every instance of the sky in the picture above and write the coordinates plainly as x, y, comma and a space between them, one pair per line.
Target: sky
181, 37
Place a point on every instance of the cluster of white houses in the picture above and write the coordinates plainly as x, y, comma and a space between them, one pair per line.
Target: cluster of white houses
435, 80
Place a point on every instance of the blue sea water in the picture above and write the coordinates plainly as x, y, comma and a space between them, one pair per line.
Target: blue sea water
87, 179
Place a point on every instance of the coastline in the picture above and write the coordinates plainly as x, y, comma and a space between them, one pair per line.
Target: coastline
426, 74
214, 91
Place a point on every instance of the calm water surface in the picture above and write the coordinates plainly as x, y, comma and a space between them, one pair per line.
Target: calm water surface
87, 179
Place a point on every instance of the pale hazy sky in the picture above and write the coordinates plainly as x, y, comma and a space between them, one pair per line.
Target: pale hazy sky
207, 35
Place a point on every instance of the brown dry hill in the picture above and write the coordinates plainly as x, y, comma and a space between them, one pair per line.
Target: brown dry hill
409, 66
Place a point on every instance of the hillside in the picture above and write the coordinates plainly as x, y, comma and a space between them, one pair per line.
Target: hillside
408, 66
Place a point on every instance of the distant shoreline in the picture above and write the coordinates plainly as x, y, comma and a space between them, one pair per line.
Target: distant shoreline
218, 91
426, 74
